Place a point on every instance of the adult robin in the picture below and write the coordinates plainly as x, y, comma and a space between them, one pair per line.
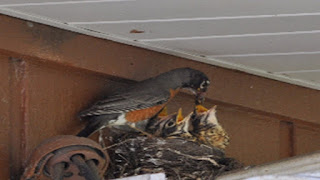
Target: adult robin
143, 100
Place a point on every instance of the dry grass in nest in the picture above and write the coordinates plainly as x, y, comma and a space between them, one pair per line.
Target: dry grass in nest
135, 154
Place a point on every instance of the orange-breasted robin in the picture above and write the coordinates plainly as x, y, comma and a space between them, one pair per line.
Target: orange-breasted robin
143, 100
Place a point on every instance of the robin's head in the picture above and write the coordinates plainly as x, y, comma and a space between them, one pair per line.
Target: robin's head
197, 83
185, 78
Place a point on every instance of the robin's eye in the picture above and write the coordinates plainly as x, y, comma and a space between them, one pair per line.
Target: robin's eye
204, 84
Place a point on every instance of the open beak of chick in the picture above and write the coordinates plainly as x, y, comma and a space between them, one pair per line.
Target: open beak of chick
184, 125
198, 117
176, 124
205, 116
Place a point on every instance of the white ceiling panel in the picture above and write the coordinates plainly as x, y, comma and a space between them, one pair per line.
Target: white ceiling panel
208, 27
245, 44
168, 9
279, 63
278, 39
311, 75
11, 2
28, 3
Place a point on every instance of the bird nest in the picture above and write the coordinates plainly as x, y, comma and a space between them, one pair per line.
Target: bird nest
182, 148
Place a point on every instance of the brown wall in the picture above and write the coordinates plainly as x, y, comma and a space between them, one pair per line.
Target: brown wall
48, 75
4, 118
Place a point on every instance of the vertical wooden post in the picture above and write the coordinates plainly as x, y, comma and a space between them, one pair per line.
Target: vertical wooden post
286, 139
18, 115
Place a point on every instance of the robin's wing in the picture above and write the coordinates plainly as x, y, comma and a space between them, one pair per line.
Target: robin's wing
125, 103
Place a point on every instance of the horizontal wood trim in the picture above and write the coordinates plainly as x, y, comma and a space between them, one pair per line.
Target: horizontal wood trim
123, 61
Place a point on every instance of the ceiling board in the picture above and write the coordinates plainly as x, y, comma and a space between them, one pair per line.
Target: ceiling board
167, 9
245, 45
154, 30
8, 2
29, 3
279, 63
311, 76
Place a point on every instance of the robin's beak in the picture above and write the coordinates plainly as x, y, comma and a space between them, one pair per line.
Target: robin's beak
200, 96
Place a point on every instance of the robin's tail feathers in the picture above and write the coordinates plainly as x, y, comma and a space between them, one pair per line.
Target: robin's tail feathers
95, 123
88, 130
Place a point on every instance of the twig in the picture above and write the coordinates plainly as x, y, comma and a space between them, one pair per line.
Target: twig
194, 157
113, 145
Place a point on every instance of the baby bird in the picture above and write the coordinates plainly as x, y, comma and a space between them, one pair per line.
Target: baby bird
201, 126
208, 130
168, 125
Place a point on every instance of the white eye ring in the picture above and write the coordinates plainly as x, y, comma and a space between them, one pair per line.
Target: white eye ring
204, 83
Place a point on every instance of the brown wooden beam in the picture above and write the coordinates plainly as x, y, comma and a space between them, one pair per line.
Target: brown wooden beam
124, 61
18, 115
64, 71
5, 123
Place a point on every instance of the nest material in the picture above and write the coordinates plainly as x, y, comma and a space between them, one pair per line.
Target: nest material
134, 154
